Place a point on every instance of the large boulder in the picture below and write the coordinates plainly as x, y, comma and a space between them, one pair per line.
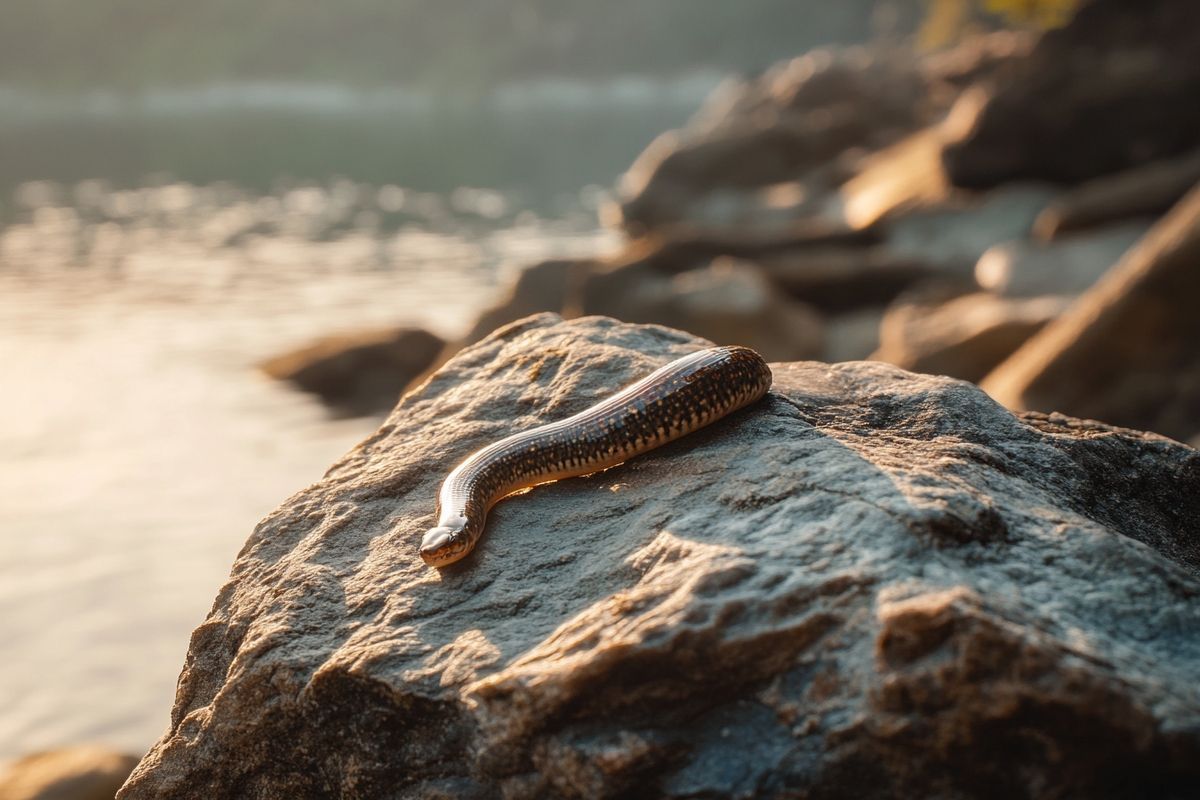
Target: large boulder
1128, 352
872, 584
1115, 87
770, 150
790, 122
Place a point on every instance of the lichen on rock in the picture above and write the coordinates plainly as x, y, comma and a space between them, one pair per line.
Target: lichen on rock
870, 584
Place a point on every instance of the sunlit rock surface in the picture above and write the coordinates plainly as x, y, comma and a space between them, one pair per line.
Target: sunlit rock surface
871, 584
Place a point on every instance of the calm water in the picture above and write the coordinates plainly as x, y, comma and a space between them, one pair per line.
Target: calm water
138, 443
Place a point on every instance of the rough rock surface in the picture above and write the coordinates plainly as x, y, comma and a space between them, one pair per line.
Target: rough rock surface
872, 584
85, 772
1128, 352
963, 336
361, 373
1115, 87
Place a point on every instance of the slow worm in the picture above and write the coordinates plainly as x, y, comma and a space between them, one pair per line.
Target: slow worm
681, 397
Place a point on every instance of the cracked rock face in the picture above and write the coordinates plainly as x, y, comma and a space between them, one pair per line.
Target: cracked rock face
871, 584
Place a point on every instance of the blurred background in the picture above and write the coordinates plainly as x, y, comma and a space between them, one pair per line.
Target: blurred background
231, 234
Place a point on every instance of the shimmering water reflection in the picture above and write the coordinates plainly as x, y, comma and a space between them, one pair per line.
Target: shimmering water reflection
138, 443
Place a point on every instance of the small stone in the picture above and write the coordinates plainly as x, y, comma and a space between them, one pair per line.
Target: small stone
361, 373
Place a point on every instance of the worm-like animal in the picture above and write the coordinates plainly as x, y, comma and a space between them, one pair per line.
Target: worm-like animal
675, 400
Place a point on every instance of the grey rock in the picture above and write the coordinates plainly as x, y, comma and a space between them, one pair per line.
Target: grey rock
804, 124
359, 373
1067, 266
82, 772
873, 584
1128, 352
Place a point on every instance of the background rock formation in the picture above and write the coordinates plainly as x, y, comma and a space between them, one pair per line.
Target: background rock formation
1129, 350
803, 208
359, 373
872, 584
1114, 88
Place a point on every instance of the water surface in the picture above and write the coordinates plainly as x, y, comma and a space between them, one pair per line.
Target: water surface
153, 249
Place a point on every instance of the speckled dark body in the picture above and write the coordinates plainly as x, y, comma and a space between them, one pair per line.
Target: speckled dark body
686, 394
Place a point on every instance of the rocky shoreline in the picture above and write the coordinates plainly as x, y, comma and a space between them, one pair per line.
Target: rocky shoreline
931, 212
915, 570
871, 584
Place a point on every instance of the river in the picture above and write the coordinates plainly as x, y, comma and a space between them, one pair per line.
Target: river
152, 253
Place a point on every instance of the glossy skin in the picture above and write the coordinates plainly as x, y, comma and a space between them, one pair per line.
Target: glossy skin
675, 400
